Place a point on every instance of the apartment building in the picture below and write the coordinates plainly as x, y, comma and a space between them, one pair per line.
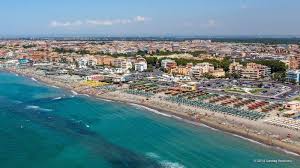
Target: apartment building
140, 64
294, 62
105, 60
122, 63
168, 64
201, 68
235, 68
293, 76
255, 71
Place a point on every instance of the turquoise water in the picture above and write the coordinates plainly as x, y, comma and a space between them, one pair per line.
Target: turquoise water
47, 127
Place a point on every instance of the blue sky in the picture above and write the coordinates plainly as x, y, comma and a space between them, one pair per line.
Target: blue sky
150, 17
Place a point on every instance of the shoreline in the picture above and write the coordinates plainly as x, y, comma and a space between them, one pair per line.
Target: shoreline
213, 124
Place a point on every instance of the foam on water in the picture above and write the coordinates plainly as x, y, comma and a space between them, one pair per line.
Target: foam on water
32, 107
57, 98
288, 152
278, 148
152, 155
105, 100
54, 86
164, 163
203, 125
150, 109
74, 93
84, 95
247, 139
168, 164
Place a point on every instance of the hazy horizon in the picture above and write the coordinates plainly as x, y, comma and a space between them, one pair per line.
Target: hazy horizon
156, 18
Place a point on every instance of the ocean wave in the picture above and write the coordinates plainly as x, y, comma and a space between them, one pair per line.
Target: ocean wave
168, 164
179, 118
74, 93
164, 163
37, 108
105, 100
57, 98
54, 86
250, 140
203, 125
150, 109
287, 152
84, 95
152, 155
278, 148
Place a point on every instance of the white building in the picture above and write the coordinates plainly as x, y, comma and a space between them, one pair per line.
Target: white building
202, 68
82, 63
293, 75
140, 66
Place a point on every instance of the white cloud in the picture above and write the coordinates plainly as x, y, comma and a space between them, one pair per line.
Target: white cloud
65, 24
99, 22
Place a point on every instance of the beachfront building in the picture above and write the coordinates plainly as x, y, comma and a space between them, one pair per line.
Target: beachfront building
181, 70
92, 61
122, 63
294, 62
82, 63
293, 76
140, 66
168, 64
202, 68
105, 60
235, 68
255, 71
218, 73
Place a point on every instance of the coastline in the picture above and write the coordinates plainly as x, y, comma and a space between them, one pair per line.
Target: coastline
206, 121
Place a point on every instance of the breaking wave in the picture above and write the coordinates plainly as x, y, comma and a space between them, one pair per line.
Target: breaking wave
57, 98
31, 107
164, 163
150, 109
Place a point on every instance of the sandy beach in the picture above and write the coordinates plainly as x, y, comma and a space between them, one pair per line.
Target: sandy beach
258, 131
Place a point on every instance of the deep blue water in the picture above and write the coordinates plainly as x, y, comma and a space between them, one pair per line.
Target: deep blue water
46, 127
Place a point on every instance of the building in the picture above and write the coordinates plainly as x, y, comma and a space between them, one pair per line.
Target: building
105, 60
82, 63
235, 68
255, 71
293, 76
181, 70
168, 64
122, 63
202, 68
140, 66
294, 62
218, 73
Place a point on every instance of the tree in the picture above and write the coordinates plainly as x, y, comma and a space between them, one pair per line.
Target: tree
279, 76
208, 76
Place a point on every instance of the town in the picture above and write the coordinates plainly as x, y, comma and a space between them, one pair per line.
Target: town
249, 81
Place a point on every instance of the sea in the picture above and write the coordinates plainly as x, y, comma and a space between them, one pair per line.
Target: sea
47, 127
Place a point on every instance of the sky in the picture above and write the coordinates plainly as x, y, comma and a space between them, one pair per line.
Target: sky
149, 17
